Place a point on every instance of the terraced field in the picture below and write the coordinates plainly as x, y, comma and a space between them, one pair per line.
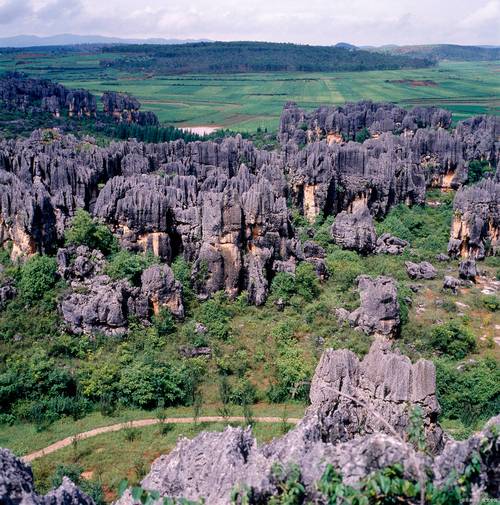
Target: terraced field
247, 101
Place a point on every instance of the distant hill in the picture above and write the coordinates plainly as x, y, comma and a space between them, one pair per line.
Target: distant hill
68, 39
234, 57
444, 52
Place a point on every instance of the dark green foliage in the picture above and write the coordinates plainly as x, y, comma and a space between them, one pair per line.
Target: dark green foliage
491, 302
362, 135
469, 392
234, 57
425, 228
151, 134
343, 267
291, 491
304, 284
478, 169
214, 314
38, 275
243, 392
128, 265
453, 339
182, 273
87, 231
164, 322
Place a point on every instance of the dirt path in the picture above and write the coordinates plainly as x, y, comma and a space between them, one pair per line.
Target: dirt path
65, 442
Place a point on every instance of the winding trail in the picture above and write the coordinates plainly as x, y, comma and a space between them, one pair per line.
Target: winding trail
65, 442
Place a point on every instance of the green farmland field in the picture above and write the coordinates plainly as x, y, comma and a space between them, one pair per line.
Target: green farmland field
246, 101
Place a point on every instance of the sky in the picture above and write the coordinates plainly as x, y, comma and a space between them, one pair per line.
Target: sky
360, 22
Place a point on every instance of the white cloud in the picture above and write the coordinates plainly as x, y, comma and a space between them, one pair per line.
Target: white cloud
313, 21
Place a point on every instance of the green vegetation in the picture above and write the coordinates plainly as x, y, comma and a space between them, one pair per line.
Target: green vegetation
478, 169
127, 265
87, 231
38, 275
244, 102
453, 340
244, 57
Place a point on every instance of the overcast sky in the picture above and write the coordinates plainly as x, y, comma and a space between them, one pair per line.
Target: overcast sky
304, 21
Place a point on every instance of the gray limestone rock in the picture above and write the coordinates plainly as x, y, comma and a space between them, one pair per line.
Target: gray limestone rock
422, 270
379, 309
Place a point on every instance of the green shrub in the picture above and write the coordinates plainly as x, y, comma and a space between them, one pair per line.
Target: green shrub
164, 322
127, 265
469, 392
478, 169
306, 281
214, 314
303, 284
243, 392
453, 339
144, 384
282, 287
182, 273
87, 231
491, 302
362, 135
343, 267
38, 275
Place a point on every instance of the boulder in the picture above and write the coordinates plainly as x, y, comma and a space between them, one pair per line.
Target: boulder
379, 309
422, 270
451, 283
103, 306
388, 244
467, 270
355, 231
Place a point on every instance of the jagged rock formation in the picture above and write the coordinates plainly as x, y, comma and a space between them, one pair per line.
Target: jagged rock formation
77, 264
379, 309
476, 220
337, 123
162, 290
388, 244
16, 486
223, 204
423, 270
17, 92
7, 292
103, 305
125, 108
355, 230
357, 421
467, 270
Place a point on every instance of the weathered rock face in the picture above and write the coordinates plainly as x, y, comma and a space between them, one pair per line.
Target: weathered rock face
355, 230
17, 92
223, 204
451, 283
7, 293
337, 123
423, 270
467, 270
388, 244
16, 486
77, 264
125, 108
357, 421
103, 305
379, 309
476, 221
162, 290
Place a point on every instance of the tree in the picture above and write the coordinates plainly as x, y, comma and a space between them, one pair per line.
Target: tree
362, 135
87, 231
38, 275
478, 169
453, 339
